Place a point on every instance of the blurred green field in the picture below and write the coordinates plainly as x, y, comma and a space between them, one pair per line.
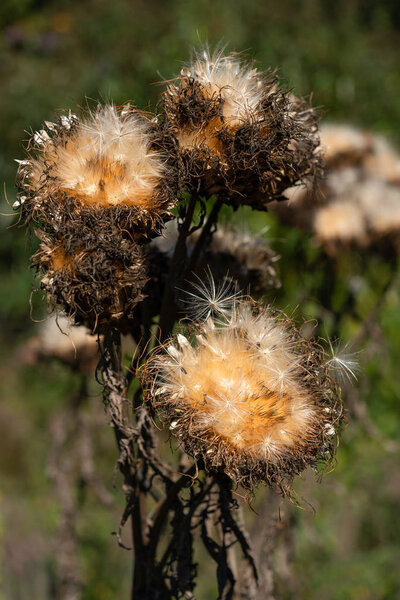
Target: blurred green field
57, 54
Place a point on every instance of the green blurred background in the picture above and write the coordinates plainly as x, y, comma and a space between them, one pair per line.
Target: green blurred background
57, 54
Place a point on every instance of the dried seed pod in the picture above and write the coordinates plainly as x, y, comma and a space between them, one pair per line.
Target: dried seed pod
239, 134
92, 282
247, 396
105, 162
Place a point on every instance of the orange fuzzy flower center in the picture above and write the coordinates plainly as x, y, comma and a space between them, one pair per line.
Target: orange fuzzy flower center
242, 402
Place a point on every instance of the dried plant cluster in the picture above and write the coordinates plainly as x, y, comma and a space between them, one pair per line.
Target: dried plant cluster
250, 397
246, 396
96, 189
130, 244
359, 204
238, 134
246, 260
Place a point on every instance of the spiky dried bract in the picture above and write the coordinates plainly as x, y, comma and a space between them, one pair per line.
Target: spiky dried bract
105, 161
95, 281
239, 134
249, 398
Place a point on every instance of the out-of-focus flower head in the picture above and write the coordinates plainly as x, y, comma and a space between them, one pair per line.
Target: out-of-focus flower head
231, 255
58, 338
359, 203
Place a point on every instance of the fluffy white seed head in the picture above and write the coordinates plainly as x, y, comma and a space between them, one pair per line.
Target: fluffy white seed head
104, 159
237, 84
248, 395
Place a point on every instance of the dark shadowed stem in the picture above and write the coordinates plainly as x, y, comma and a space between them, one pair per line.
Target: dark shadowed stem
263, 537
166, 506
204, 235
116, 402
177, 268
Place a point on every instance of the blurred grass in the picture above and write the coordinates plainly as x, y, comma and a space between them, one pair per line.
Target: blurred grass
57, 54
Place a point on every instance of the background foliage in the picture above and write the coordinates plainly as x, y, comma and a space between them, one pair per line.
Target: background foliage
57, 54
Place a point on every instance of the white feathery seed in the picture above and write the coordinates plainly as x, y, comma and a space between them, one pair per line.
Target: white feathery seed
344, 366
238, 84
210, 299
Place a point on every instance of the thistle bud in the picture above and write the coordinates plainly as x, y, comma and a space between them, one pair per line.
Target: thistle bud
239, 134
247, 396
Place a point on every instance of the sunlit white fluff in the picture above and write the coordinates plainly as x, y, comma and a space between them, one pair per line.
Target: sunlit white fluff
241, 382
229, 77
343, 365
205, 298
106, 159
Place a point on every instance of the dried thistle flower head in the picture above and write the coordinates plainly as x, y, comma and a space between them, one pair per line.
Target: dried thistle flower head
340, 222
248, 397
383, 162
241, 257
92, 281
343, 144
238, 133
104, 160
96, 187
231, 255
